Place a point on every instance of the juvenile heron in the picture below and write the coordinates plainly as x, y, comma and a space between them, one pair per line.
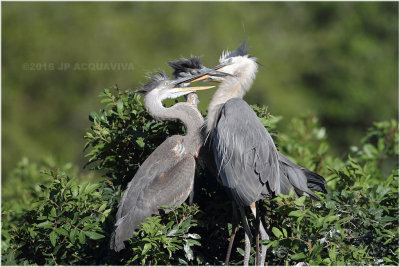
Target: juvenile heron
248, 163
166, 177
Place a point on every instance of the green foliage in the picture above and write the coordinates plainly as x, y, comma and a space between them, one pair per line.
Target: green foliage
166, 240
64, 221
347, 228
356, 223
63, 225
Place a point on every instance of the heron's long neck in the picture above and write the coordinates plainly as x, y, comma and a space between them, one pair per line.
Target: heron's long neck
232, 87
185, 112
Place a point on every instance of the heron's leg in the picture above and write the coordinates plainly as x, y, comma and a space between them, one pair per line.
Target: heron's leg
257, 238
247, 246
248, 237
264, 235
257, 216
234, 230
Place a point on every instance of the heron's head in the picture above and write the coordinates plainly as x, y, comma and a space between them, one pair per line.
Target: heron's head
238, 64
186, 67
161, 87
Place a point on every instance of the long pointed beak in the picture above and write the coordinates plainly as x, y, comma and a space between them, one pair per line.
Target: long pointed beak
198, 88
207, 73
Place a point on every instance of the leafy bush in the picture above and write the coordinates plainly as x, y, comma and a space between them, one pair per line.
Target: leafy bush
64, 222
166, 240
56, 229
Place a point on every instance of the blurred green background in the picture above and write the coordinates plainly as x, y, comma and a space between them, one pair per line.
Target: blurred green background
337, 60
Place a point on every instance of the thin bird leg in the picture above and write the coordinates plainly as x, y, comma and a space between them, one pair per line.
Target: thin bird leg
248, 237
257, 215
258, 239
264, 236
234, 230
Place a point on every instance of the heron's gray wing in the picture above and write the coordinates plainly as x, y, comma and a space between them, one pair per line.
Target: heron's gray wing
245, 154
170, 188
298, 178
162, 158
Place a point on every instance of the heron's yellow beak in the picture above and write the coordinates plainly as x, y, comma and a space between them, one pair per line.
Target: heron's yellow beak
201, 78
198, 88
206, 76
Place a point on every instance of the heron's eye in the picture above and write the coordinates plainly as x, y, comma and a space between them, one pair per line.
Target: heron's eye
166, 83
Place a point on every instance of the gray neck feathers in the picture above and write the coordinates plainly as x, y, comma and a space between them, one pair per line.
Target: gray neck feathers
185, 112
232, 87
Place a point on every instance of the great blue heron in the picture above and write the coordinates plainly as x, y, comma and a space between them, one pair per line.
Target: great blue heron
166, 177
248, 163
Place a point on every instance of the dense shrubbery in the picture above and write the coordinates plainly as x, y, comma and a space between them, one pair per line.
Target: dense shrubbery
64, 222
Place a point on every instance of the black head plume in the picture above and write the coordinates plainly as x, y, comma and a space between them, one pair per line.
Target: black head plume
155, 80
185, 66
240, 51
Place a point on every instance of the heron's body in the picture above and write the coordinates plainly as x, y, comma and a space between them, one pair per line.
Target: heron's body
166, 177
250, 166
244, 152
247, 161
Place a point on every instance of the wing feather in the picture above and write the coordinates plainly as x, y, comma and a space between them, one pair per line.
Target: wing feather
245, 154
170, 188
159, 161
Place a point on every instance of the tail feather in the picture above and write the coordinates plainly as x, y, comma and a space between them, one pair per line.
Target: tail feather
315, 181
299, 179
126, 226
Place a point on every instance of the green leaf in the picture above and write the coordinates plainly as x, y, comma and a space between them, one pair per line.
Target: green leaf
194, 236
188, 251
300, 201
91, 188
331, 218
140, 142
146, 248
72, 235
240, 251
53, 238
296, 213
120, 106
105, 100
102, 207
82, 188
45, 225
81, 237
53, 212
61, 231
332, 253
284, 232
277, 232
298, 256
93, 235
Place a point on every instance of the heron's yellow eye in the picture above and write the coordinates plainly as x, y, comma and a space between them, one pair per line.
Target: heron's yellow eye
166, 83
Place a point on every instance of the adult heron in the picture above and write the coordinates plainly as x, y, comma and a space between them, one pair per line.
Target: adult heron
166, 177
248, 163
